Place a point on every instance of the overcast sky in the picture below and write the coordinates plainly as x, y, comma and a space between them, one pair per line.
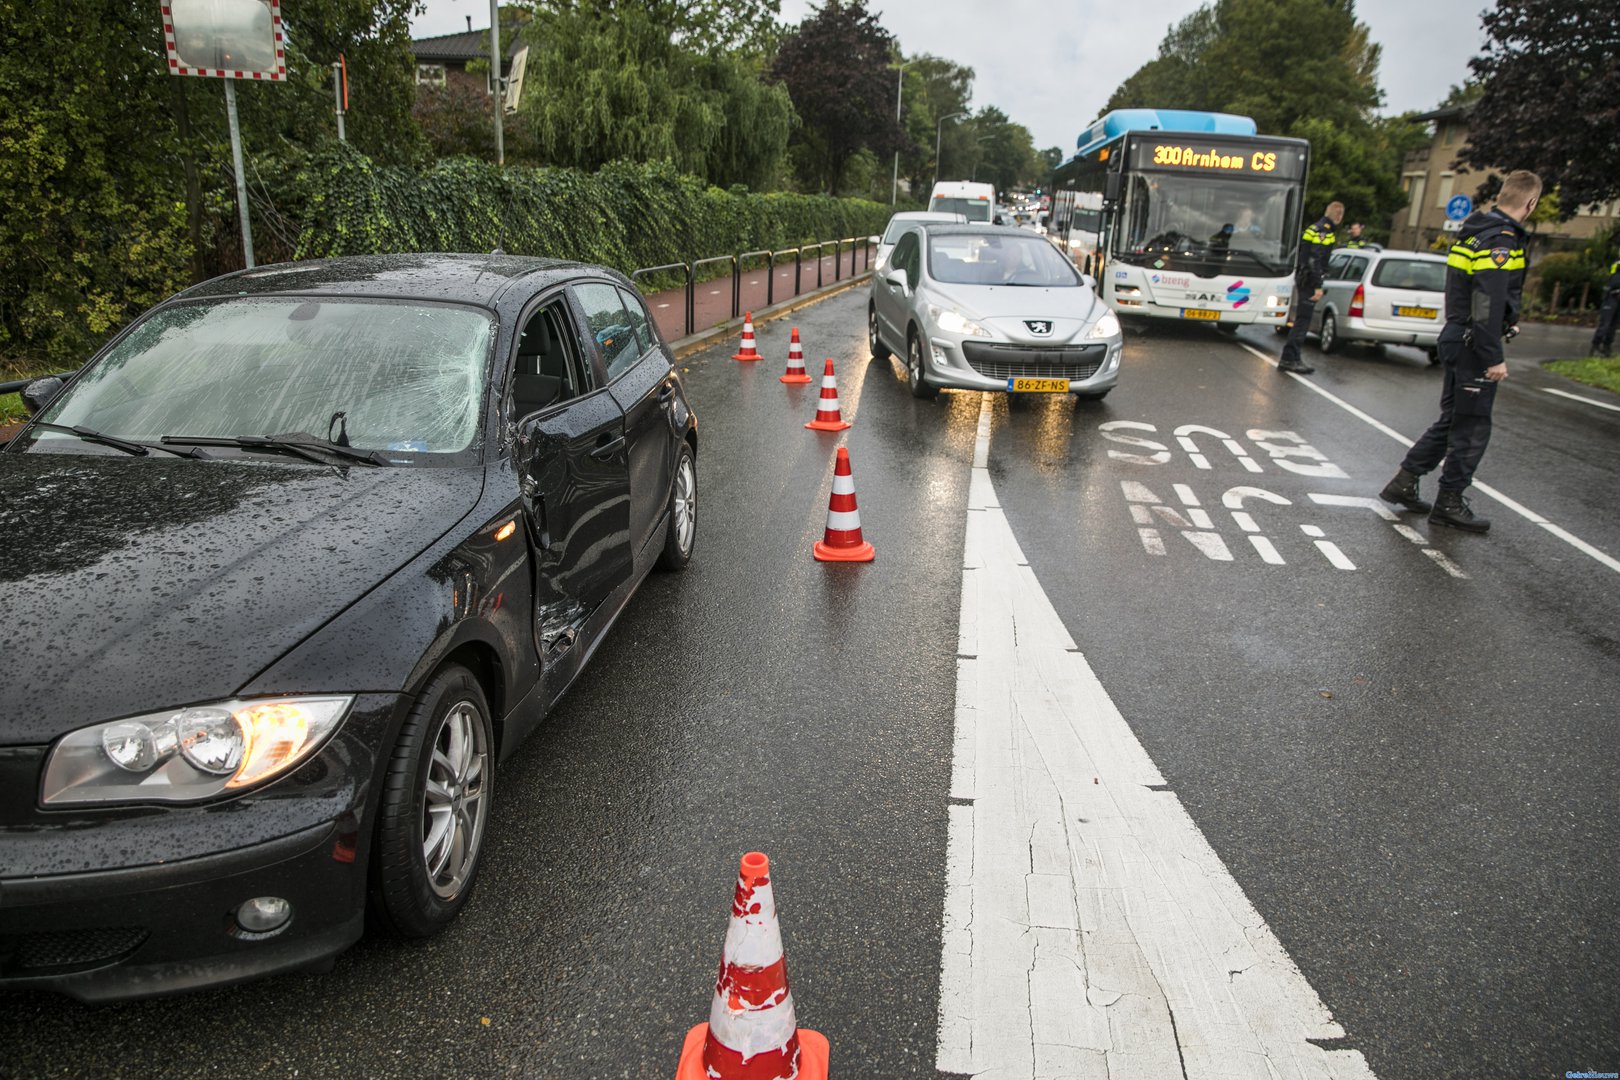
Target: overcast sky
1051, 64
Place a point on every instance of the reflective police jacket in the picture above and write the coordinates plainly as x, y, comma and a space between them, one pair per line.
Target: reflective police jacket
1314, 248
1484, 278
1613, 285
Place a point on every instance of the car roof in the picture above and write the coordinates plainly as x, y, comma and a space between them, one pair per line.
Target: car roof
972, 229
928, 215
1385, 253
463, 278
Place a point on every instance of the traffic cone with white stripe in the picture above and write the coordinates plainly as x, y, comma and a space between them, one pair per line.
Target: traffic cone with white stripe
747, 351
795, 366
829, 417
752, 1033
843, 542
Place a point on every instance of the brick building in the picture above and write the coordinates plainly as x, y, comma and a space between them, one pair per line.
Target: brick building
443, 60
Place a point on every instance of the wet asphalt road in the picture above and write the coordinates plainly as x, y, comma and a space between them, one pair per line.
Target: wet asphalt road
1410, 774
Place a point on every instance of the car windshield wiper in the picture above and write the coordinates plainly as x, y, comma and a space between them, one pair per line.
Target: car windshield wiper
128, 446
299, 443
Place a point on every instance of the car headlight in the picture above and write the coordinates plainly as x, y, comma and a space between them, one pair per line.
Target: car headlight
1107, 326
954, 322
182, 755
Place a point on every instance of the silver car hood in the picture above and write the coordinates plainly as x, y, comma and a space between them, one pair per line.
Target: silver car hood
1010, 308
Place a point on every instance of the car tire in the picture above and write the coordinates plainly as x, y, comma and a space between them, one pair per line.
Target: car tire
879, 351
680, 536
429, 833
916, 382
1328, 339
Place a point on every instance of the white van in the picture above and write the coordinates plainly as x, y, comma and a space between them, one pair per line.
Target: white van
976, 202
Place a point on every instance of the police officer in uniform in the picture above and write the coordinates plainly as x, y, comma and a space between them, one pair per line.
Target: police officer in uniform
1608, 314
1310, 268
1356, 240
1484, 277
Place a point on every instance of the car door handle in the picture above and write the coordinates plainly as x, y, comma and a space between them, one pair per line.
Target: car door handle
608, 449
666, 393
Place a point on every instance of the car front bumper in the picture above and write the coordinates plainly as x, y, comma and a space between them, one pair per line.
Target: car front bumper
980, 364
106, 928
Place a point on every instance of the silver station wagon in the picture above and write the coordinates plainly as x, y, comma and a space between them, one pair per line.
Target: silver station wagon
978, 307
1382, 298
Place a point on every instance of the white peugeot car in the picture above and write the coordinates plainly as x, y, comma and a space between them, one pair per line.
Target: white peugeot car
983, 308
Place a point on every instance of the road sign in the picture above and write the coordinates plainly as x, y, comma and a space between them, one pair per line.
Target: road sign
1451, 226
1459, 207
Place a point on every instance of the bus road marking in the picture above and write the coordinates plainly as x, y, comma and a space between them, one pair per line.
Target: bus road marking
1090, 929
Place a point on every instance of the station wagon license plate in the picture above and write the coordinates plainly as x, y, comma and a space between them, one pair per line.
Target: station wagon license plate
1038, 386
1416, 312
1199, 313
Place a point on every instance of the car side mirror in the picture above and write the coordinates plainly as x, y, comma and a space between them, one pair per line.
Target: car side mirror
897, 278
1090, 282
998, 220
40, 393
874, 239
1111, 187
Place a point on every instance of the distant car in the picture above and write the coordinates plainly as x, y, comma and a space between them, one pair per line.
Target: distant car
287, 568
1381, 297
978, 307
900, 222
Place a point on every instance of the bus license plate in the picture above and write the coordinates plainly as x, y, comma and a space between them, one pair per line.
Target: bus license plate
1416, 312
1199, 313
1038, 386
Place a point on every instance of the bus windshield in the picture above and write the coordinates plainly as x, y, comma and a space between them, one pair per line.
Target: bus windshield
972, 209
1210, 224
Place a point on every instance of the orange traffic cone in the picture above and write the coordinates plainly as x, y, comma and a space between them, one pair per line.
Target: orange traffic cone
842, 541
747, 350
752, 1033
828, 415
795, 368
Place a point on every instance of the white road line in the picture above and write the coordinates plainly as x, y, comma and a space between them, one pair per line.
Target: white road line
1518, 508
1583, 400
1090, 930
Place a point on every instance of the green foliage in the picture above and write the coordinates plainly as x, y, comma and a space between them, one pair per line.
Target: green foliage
1007, 155
626, 216
1550, 83
1304, 68
935, 88
608, 83
1593, 371
1569, 272
835, 66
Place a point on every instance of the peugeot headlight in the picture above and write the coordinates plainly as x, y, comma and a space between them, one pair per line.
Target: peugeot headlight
1107, 326
182, 755
954, 322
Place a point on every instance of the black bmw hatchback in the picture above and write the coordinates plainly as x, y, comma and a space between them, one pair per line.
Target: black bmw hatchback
286, 571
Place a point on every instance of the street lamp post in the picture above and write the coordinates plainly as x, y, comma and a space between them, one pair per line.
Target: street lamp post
939, 131
899, 89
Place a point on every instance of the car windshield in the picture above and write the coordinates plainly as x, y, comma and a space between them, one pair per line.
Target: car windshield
1424, 274
972, 209
1201, 222
405, 377
896, 229
1006, 258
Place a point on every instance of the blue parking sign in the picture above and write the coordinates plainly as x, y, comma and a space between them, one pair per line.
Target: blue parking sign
1459, 207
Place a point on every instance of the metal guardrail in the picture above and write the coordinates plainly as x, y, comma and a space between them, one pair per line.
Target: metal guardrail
860, 247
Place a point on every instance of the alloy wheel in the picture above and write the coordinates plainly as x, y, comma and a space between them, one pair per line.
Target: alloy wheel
685, 505
454, 808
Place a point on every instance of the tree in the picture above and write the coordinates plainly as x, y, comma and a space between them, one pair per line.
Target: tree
935, 87
1551, 97
1006, 152
1303, 68
836, 69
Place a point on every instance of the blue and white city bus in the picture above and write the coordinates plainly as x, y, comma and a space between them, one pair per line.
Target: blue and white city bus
1201, 216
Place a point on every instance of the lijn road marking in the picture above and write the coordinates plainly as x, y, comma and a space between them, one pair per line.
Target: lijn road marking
1090, 930
1518, 508
1583, 400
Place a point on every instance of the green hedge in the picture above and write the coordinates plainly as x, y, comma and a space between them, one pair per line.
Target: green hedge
626, 216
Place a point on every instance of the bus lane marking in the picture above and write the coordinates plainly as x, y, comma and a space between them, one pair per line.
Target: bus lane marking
1090, 929
1518, 508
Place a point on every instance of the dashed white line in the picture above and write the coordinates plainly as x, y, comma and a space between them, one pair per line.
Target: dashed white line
1090, 930
1485, 489
1582, 400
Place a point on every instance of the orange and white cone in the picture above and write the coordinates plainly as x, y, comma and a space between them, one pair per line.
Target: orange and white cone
795, 366
747, 351
752, 1033
842, 541
828, 415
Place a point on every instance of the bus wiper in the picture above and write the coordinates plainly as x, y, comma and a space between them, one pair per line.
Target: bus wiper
128, 446
298, 443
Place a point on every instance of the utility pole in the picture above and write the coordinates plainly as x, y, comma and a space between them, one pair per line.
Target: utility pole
241, 178
340, 91
899, 90
495, 77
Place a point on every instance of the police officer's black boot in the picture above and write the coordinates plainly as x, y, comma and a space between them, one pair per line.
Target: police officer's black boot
1403, 491
1450, 508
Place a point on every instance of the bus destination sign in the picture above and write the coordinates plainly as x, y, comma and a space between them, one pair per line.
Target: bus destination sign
1215, 158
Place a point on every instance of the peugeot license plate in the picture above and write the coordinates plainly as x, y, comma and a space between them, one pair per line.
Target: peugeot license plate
1416, 312
1038, 386
1199, 313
